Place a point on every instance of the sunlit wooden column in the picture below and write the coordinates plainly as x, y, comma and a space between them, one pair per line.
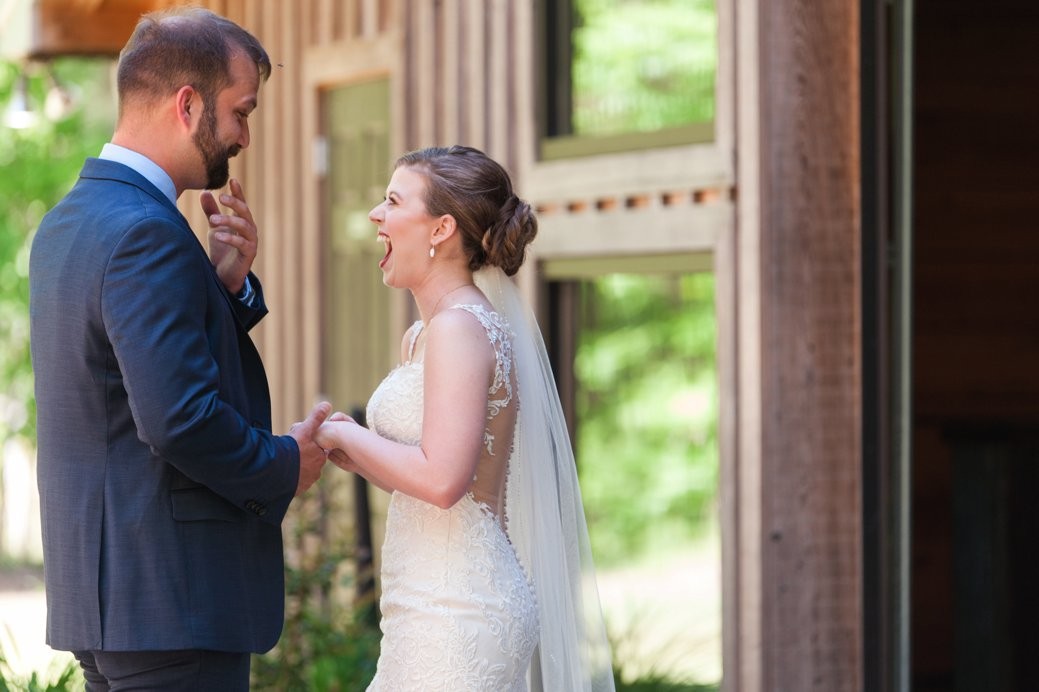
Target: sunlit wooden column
794, 621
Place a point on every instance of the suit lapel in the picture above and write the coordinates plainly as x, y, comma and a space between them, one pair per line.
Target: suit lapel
113, 170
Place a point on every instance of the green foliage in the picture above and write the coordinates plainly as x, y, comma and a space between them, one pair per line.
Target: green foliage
330, 642
39, 166
655, 683
65, 679
642, 65
647, 405
325, 647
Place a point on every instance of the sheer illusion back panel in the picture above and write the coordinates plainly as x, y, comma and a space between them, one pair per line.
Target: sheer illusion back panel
488, 484
459, 611
492, 469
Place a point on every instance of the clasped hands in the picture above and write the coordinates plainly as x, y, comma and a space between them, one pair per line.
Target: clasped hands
316, 447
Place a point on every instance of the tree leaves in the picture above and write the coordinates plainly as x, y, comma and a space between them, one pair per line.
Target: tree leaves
39, 165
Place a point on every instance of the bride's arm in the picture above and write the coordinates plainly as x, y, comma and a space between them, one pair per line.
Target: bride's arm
336, 455
343, 461
458, 368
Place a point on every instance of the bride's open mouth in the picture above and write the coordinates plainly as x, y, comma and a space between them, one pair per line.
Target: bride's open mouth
385, 239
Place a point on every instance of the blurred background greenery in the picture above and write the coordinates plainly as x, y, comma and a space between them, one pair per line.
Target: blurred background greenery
642, 66
646, 401
39, 162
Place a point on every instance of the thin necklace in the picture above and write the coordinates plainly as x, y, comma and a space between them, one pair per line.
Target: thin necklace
441, 300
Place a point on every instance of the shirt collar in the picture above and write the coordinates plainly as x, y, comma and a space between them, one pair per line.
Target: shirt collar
152, 172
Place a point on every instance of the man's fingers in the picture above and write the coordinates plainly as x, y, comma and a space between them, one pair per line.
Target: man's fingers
208, 202
317, 416
236, 189
235, 199
239, 242
240, 225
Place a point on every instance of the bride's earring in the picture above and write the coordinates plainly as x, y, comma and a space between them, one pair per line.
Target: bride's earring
432, 251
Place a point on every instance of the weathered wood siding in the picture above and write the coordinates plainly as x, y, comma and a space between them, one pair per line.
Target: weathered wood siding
312, 44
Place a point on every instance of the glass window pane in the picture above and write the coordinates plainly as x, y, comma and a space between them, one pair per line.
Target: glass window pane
355, 118
645, 409
639, 66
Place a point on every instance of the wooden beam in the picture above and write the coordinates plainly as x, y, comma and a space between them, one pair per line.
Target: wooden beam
84, 27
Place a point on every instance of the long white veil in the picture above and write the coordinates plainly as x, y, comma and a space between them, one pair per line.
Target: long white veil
545, 516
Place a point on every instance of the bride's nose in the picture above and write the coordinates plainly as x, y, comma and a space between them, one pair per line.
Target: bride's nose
375, 215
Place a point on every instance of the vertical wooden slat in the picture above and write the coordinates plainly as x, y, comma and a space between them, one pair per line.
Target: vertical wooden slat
496, 86
422, 80
524, 138
306, 308
304, 30
369, 19
310, 231
384, 16
725, 86
738, 369
261, 195
350, 28
742, 635
473, 87
325, 21
449, 93
280, 156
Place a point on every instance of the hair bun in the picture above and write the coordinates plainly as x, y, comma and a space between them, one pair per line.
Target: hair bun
505, 242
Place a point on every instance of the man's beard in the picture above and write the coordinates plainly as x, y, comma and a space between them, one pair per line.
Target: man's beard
214, 156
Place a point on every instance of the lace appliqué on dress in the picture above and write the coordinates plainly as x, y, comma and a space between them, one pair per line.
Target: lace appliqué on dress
458, 611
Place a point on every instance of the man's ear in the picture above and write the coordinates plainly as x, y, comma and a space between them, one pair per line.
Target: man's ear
189, 106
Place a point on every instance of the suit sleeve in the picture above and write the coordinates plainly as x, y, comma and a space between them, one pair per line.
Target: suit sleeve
249, 314
154, 302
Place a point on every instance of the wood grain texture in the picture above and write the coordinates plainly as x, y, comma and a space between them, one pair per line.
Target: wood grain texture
810, 346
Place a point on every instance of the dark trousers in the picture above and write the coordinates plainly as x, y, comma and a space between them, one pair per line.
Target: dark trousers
166, 671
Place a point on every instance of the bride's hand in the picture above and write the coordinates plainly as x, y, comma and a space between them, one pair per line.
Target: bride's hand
343, 461
328, 433
340, 416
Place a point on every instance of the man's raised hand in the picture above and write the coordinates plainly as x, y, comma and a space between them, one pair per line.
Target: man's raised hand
233, 238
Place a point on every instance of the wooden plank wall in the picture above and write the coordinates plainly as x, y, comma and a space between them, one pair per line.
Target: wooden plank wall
462, 77
466, 76
280, 184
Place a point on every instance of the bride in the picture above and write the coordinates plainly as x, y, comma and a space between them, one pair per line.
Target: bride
487, 580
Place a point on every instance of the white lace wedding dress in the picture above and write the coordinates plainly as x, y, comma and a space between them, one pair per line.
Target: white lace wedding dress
458, 610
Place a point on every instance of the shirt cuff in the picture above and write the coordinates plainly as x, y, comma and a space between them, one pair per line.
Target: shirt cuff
247, 295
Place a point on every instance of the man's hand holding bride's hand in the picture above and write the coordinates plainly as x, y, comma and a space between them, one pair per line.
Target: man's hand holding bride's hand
326, 436
312, 454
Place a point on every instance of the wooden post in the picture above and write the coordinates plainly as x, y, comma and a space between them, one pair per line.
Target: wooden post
796, 621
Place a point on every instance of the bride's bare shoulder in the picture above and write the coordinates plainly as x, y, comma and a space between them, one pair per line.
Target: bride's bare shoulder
458, 335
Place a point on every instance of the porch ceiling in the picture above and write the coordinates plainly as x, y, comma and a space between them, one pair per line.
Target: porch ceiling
42, 29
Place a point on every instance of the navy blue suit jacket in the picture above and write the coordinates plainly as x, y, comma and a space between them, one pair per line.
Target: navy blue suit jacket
162, 489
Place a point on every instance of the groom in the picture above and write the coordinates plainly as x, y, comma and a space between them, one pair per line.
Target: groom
162, 488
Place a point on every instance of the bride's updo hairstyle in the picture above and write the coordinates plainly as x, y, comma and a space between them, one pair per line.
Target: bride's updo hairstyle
495, 224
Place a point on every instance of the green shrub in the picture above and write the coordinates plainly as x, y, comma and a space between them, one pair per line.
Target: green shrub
66, 679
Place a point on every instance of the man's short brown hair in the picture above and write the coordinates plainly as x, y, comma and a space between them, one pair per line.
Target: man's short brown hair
183, 46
